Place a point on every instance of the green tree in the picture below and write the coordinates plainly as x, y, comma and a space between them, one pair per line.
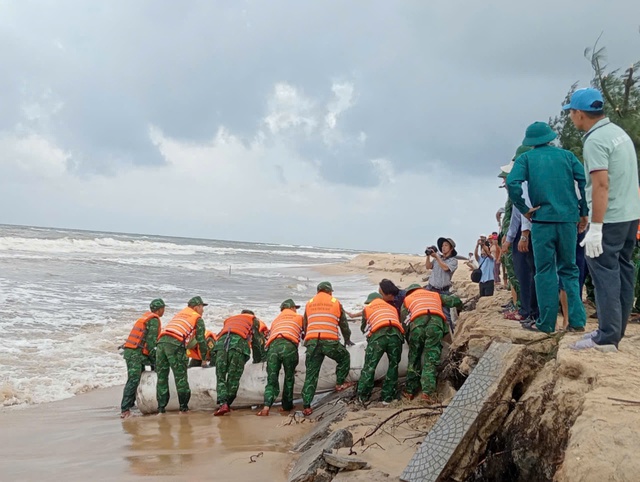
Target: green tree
621, 92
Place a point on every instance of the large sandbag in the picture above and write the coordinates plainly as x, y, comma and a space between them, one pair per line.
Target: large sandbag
254, 379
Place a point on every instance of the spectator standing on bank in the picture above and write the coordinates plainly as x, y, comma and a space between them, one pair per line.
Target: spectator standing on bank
442, 268
552, 174
486, 262
507, 258
611, 167
519, 235
495, 253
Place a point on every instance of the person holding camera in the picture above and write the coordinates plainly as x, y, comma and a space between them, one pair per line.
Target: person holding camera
486, 262
442, 267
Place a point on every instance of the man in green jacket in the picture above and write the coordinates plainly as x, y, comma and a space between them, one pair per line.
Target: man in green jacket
381, 322
140, 350
172, 352
552, 175
232, 352
424, 334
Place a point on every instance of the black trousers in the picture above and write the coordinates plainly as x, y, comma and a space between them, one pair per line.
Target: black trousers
486, 288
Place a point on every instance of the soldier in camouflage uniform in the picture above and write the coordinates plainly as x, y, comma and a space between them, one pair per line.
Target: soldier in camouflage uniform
172, 352
381, 322
323, 316
507, 254
232, 352
425, 334
282, 350
140, 350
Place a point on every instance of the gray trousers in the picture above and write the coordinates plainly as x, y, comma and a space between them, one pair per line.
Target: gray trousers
445, 309
614, 280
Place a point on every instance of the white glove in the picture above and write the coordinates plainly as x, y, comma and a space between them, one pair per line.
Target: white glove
592, 242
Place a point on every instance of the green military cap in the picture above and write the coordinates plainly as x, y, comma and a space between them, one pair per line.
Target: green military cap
414, 286
156, 304
538, 134
289, 303
521, 150
196, 301
325, 286
247, 312
373, 296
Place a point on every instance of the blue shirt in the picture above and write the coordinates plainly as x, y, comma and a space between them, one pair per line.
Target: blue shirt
486, 266
399, 299
519, 221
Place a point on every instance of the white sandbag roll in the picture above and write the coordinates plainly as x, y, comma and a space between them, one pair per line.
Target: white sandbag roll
202, 381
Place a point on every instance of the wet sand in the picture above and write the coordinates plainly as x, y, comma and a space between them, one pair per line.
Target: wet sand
83, 438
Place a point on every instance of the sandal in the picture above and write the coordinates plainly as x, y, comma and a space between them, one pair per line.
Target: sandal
344, 386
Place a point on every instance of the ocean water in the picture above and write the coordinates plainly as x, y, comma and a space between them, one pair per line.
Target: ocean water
69, 298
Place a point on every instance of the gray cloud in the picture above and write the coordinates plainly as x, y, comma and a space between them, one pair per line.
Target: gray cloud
456, 81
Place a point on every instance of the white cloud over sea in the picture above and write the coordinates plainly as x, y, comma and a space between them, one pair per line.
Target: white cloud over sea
258, 190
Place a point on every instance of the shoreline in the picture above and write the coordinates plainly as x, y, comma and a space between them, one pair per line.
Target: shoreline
83, 436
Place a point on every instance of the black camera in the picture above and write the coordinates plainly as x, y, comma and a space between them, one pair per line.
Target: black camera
430, 250
487, 244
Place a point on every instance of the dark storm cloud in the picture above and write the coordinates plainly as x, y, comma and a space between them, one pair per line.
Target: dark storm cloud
453, 81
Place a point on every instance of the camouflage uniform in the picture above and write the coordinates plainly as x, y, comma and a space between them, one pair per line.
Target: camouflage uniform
281, 352
172, 354
258, 350
387, 340
507, 256
316, 351
193, 362
232, 352
136, 362
135, 366
425, 335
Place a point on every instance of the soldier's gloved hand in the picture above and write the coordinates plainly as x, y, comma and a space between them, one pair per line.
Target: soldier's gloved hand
348, 343
592, 241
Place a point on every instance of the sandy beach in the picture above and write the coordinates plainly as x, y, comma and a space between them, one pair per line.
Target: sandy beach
82, 437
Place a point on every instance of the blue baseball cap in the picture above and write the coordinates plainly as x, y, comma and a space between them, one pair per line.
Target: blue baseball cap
588, 100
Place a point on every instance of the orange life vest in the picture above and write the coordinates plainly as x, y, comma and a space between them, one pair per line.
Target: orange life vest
238, 324
287, 325
264, 329
380, 314
323, 314
139, 331
183, 326
210, 338
422, 302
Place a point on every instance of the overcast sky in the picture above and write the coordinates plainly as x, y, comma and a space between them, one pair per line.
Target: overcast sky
374, 125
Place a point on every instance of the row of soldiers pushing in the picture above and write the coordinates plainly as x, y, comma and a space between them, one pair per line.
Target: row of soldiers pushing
390, 317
